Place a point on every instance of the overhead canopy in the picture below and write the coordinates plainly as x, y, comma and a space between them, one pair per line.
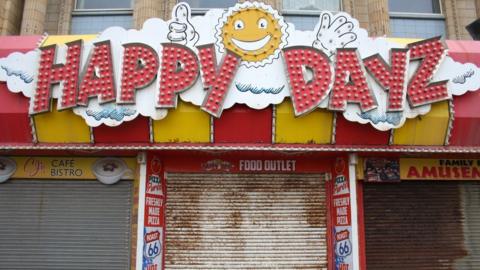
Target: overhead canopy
466, 125
456, 126
14, 118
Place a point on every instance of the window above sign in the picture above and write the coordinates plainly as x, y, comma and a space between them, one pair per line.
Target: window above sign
210, 3
415, 6
201, 6
103, 4
310, 5
304, 13
93, 16
416, 18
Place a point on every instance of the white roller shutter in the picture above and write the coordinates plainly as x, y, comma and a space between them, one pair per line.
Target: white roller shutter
55, 224
239, 221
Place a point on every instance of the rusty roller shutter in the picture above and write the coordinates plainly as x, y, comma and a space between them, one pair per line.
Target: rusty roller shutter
234, 221
422, 225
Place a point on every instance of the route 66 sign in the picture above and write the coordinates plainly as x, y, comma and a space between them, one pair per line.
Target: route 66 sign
343, 248
153, 246
343, 245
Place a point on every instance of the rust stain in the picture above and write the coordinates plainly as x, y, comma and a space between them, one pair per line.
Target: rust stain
181, 221
235, 220
314, 217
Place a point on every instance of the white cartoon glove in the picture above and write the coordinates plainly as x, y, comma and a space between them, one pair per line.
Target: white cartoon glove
334, 34
180, 29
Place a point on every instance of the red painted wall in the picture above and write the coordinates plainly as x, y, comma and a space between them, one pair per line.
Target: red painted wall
466, 123
135, 131
241, 124
352, 133
14, 118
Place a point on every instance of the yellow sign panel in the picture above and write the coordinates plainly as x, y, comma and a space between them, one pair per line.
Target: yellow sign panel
64, 167
185, 124
439, 169
61, 127
418, 131
62, 39
291, 129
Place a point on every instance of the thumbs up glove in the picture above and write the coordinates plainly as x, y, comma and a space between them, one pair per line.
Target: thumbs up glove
180, 28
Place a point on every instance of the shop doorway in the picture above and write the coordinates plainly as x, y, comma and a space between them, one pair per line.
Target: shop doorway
65, 224
422, 225
246, 221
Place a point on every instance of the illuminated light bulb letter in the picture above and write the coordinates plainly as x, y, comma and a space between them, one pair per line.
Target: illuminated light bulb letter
50, 73
140, 67
216, 79
350, 84
391, 78
420, 91
179, 72
98, 78
310, 76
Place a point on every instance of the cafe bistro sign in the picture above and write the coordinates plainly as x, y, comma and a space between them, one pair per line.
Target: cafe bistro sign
247, 54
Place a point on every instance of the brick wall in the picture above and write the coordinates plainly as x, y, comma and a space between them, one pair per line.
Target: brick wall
65, 16
372, 15
379, 21
10, 17
477, 3
33, 18
458, 14
359, 10
145, 9
53, 12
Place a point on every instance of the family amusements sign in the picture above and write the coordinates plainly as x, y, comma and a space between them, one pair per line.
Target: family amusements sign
247, 54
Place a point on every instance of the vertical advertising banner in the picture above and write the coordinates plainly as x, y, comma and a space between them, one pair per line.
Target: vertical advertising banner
341, 217
154, 224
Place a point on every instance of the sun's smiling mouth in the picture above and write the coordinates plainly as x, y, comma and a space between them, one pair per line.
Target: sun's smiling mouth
252, 45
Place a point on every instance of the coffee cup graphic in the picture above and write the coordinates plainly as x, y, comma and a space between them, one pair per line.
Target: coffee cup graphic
7, 168
110, 170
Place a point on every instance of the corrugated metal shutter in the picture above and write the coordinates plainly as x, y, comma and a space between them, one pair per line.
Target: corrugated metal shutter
58, 224
422, 225
235, 221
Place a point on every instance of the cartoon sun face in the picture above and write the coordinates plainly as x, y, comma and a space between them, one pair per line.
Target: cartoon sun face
254, 31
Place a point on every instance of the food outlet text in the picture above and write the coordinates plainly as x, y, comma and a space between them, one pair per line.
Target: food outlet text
267, 165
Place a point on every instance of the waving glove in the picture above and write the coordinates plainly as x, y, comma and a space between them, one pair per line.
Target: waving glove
334, 34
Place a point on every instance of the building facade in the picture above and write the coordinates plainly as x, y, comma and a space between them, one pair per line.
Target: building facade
379, 17
347, 141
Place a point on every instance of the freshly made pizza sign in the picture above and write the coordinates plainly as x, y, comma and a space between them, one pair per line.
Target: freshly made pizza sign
246, 54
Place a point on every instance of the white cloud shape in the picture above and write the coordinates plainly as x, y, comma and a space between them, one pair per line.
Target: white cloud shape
19, 71
461, 77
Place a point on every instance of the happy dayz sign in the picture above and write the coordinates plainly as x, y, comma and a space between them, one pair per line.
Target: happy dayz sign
246, 54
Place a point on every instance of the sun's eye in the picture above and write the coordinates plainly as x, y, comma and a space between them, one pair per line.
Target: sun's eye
262, 23
238, 25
